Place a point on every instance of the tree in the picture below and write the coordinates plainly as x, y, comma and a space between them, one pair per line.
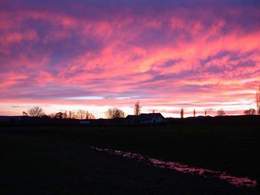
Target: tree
71, 115
250, 111
182, 113
137, 109
81, 114
114, 113
221, 112
89, 115
45, 116
36, 111
194, 113
65, 115
59, 115
25, 113
258, 101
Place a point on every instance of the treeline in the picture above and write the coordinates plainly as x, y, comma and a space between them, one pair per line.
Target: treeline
114, 113
38, 112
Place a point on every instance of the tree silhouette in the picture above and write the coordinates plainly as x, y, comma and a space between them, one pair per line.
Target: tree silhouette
65, 115
182, 113
36, 111
89, 115
221, 112
81, 114
25, 113
250, 111
59, 115
194, 113
71, 115
114, 113
137, 109
45, 116
258, 101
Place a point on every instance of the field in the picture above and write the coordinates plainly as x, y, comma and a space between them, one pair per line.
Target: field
58, 159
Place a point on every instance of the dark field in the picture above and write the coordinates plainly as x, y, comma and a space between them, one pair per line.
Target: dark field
58, 159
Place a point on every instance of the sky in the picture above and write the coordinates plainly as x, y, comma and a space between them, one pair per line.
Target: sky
97, 54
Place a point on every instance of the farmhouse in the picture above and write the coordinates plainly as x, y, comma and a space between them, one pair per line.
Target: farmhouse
150, 118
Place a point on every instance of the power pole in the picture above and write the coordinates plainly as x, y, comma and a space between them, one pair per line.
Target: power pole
258, 101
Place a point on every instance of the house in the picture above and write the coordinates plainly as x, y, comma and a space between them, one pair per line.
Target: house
85, 122
149, 118
12, 118
5, 119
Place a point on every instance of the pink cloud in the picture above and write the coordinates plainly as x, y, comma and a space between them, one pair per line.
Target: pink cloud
10, 79
16, 37
160, 60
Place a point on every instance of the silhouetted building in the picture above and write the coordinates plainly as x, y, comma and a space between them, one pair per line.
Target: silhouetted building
85, 122
150, 118
13, 118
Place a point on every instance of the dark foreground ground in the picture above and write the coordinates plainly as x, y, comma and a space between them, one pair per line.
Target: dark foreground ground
58, 160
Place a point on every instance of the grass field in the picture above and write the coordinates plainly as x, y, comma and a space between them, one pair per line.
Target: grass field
225, 144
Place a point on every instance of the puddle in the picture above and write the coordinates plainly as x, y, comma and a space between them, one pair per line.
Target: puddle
187, 169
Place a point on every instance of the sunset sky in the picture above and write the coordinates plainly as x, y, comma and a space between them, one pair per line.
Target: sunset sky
96, 54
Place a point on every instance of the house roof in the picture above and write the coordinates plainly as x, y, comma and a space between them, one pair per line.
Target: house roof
145, 116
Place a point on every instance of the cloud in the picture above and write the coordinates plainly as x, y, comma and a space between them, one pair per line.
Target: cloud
182, 51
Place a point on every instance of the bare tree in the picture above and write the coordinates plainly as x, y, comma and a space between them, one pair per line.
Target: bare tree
114, 113
258, 101
250, 111
182, 113
71, 115
137, 109
205, 112
65, 115
89, 115
81, 114
36, 111
221, 112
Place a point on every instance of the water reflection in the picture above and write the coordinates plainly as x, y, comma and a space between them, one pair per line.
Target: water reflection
236, 181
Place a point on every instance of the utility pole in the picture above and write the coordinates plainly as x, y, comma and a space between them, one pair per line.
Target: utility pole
258, 101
